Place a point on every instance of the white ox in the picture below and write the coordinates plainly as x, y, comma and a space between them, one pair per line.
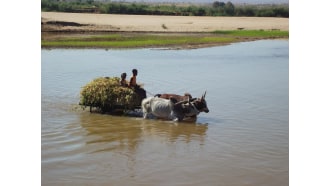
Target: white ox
161, 108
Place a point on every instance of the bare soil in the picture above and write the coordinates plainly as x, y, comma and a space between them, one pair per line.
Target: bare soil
84, 22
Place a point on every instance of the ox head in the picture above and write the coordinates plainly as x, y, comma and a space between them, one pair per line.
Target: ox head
192, 107
200, 104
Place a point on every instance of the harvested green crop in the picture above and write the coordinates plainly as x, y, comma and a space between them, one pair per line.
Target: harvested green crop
106, 94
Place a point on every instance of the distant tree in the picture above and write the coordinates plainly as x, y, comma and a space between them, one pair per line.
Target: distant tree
265, 13
245, 11
222, 4
201, 12
229, 8
217, 4
90, 1
281, 12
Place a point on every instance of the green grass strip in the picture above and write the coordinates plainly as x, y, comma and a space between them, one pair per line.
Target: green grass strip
254, 33
146, 40
131, 42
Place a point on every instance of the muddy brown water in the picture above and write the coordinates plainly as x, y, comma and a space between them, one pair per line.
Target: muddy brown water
243, 140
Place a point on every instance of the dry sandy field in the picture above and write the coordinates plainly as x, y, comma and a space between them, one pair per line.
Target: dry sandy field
54, 21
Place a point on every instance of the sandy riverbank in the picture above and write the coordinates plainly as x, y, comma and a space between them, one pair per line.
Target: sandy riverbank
54, 21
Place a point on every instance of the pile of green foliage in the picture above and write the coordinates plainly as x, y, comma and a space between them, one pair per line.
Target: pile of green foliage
106, 94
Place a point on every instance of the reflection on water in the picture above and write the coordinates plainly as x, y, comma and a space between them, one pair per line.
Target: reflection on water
242, 141
113, 145
114, 132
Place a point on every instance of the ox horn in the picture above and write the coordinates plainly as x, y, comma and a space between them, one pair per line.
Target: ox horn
203, 96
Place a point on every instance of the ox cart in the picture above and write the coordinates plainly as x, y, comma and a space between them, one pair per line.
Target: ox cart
105, 94
108, 96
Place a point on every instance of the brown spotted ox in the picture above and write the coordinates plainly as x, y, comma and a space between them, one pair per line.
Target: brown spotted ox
178, 98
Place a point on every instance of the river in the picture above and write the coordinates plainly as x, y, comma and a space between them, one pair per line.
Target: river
243, 140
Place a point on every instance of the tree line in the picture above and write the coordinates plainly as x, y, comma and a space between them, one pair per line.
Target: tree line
217, 8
